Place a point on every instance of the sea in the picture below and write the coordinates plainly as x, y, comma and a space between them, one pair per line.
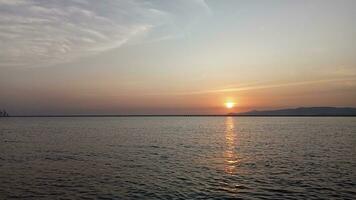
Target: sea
178, 158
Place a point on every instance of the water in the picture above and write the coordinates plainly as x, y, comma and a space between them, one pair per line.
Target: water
178, 158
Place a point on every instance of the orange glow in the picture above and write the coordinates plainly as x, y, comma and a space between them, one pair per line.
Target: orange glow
229, 104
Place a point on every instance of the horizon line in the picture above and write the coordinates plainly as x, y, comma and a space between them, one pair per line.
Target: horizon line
179, 115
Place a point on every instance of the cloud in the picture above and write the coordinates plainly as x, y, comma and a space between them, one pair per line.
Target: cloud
260, 86
45, 32
280, 85
12, 2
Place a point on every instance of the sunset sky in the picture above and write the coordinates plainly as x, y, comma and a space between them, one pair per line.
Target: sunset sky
175, 57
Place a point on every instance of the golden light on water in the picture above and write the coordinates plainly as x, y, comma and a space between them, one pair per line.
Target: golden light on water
230, 155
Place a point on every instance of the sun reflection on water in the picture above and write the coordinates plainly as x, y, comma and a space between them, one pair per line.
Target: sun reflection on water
230, 154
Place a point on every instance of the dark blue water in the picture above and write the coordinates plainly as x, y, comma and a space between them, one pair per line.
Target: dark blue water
178, 158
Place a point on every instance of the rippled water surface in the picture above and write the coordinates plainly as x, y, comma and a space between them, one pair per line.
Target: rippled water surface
178, 158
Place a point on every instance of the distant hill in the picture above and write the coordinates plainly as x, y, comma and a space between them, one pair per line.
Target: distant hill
302, 111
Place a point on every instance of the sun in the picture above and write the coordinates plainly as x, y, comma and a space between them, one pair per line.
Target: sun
229, 104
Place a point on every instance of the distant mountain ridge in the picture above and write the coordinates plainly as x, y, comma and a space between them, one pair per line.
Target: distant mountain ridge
302, 111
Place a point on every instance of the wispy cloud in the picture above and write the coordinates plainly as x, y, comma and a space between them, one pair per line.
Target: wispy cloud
260, 86
279, 85
43, 32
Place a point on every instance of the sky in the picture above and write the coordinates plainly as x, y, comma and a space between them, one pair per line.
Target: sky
175, 57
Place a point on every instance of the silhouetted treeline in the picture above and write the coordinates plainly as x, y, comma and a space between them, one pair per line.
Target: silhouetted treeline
3, 113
